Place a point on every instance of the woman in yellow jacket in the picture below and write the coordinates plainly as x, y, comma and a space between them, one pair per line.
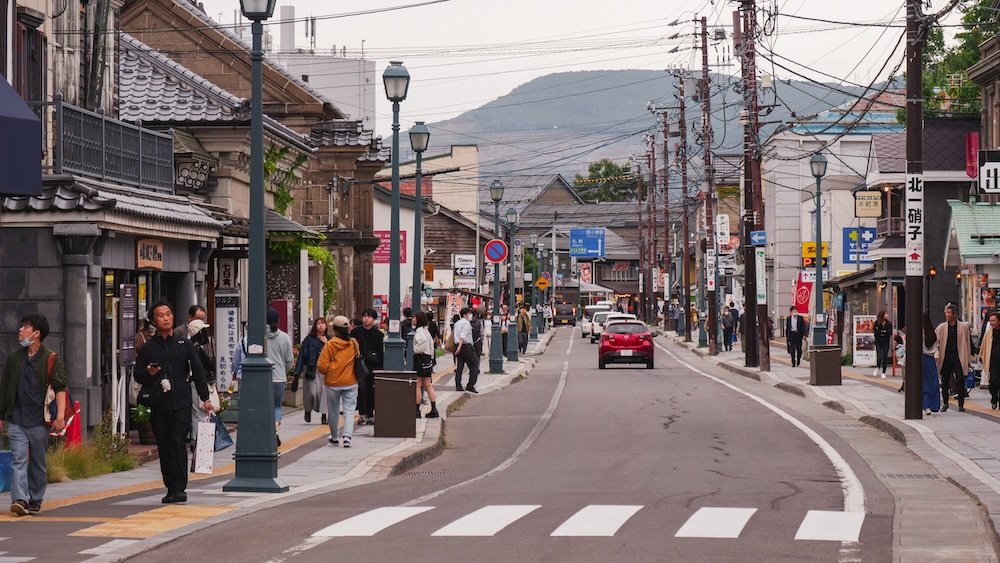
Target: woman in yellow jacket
336, 365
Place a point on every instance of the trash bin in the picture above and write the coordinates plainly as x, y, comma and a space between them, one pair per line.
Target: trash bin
395, 403
824, 365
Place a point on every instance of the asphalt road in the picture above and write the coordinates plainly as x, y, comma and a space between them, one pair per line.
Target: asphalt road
577, 464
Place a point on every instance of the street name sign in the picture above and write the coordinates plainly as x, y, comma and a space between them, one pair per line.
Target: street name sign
586, 242
914, 234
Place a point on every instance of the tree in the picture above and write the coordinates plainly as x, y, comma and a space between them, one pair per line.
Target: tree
607, 181
947, 89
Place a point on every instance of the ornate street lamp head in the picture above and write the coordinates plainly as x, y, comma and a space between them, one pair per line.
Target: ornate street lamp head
420, 137
257, 9
534, 239
496, 191
818, 165
512, 215
396, 80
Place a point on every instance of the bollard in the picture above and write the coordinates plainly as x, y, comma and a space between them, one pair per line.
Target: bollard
74, 436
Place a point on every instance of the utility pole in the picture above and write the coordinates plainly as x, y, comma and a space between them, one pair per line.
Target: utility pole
686, 227
914, 198
642, 239
653, 259
710, 271
668, 259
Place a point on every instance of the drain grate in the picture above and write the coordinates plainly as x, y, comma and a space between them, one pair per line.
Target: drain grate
847, 425
907, 476
426, 473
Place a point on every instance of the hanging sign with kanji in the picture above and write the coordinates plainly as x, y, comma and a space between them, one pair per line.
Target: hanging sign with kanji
914, 234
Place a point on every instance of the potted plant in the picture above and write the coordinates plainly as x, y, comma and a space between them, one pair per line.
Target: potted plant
142, 417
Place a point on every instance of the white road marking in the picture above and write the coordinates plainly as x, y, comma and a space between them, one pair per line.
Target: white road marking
597, 520
107, 548
371, 522
487, 521
711, 522
9, 559
572, 338
826, 525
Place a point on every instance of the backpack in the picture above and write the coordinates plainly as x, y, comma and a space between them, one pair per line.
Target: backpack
51, 411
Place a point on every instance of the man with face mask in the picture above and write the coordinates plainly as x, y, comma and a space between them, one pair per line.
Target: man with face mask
465, 351
22, 404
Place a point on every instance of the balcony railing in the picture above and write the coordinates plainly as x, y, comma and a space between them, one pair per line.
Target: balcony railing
889, 226
94, 145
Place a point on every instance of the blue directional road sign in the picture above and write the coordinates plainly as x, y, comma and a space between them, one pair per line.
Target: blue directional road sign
758, 238
586, 242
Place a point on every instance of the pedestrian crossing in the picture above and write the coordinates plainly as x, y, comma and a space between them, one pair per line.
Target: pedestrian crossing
598, 520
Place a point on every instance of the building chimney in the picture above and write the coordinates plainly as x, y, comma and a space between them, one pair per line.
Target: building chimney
287, 16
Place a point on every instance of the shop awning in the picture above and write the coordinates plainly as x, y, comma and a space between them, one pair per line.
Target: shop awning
20, 145
586, 287
973, 234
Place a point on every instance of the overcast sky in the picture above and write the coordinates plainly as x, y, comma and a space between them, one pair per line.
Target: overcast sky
464, 53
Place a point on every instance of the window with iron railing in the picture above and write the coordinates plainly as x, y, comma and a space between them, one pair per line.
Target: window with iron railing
91, 144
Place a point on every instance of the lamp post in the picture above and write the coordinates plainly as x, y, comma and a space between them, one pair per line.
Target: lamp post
420, 136
543, 254
397, 81
256, 445
534, 288
818, 165
931, 273
496, 342
512, 343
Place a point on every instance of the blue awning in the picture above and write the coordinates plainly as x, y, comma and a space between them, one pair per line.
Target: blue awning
20, 145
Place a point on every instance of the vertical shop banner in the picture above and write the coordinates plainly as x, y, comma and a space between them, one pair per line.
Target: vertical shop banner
914, 234
987, 298
585, 274
454, 305
227, 337
383, 252
864, 341
802, 292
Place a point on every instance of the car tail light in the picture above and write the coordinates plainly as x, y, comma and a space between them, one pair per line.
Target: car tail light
610, 337
647, 337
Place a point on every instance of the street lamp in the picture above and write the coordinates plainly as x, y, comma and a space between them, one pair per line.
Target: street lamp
256, 445
540, 314
512, 341
420, 136
931, 274
534, 288
818, 165
397, 82
496, 342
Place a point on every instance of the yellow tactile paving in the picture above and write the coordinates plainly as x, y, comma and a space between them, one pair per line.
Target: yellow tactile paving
92, 519
153, 522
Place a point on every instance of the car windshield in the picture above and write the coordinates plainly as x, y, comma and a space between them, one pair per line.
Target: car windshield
626, 328
599, 317
564, 309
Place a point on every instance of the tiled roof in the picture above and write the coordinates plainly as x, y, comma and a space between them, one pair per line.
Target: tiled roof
889, 150
152, 87
92, 196
341, 133
377, 152
943, 147
198, 11
727, 169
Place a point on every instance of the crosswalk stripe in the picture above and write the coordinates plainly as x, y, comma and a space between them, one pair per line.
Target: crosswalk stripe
597, 520
710, 522
826, 525
487, 521
371, 522
108, 547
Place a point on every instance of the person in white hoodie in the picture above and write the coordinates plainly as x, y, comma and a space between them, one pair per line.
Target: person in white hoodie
279, 350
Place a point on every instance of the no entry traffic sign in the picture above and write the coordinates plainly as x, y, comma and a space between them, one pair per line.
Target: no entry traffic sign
495, 251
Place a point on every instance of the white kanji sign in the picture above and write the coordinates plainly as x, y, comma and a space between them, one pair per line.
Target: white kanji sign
989, 172
914, 234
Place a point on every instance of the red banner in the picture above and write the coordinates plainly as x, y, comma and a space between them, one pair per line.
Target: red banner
381, 254
972, 154
801, 294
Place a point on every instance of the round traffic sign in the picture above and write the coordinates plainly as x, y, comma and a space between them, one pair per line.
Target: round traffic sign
546, 275
495, 251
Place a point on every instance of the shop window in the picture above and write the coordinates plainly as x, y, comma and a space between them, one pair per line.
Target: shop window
30, 61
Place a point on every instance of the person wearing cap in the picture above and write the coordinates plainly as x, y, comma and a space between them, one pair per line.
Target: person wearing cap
195, 312
278, 345
336, 365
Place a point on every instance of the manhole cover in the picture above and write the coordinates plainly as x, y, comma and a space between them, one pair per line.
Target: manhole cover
907, 476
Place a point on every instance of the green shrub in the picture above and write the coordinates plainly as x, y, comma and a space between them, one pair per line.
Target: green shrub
847, 359
105, 452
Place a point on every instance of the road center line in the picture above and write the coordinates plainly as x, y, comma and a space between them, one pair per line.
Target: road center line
854, 494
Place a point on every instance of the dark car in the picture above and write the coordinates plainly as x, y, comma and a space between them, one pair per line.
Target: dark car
627, 342
564, 314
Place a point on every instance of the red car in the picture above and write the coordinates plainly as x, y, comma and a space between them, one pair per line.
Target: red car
625, 342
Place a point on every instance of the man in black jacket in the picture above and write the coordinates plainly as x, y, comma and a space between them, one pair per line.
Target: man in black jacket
165, 361
370, 340
796, 328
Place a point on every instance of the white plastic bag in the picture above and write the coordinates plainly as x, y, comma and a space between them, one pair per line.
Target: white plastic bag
204, 451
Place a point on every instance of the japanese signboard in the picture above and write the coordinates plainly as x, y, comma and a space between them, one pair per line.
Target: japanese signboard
856, 242
128, 309
809, 250
914, 234
761, 271
989, 172
227, 337
586, 242
148, 254
722, 228
868, 203
381, 254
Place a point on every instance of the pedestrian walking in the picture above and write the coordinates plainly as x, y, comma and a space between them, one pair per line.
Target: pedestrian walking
523, 328
336, 365
279, 350
728, 324
883, 343
26, 376
931, 398
313, 397
989, 355
478, 321
370, 339
195, 312
954, 343
796, 328
166, 360
465, 351
423, 355
432, 328
736, 321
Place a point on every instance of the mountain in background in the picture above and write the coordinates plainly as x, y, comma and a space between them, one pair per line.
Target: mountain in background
561, 122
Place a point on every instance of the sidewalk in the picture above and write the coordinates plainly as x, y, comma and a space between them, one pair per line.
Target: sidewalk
964, 447
309, 466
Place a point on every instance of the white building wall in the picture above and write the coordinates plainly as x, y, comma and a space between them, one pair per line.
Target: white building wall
350, 83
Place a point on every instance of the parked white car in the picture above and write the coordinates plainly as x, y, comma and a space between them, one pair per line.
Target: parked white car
601, 319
